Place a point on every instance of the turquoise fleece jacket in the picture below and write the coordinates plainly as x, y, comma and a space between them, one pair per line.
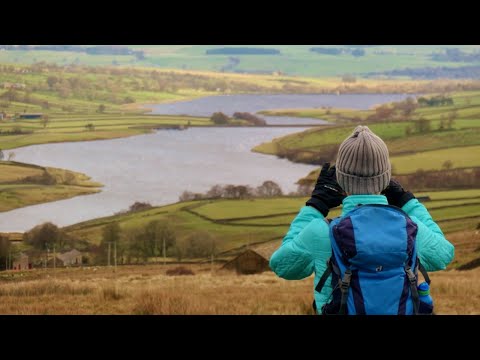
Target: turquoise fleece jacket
306, 247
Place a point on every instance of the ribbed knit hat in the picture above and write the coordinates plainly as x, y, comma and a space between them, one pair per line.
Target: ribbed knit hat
363, 165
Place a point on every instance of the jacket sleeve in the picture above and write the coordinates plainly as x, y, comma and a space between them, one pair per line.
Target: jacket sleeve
434, 250
295, 258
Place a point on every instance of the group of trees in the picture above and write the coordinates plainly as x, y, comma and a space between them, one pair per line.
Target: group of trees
136, 206
397, 111
157, 239
423, 125
242, 51
219, 118
48, 236
357, 52
267, 189
251, 118
439, 100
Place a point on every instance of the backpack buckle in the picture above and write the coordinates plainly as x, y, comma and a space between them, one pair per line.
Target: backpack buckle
411, 276
345, 282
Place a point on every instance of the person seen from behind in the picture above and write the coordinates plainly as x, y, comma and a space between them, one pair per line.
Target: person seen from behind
367, 260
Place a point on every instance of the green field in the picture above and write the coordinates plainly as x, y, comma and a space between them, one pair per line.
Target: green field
294, 60
24, 184
239, 222
462, 157
62, 128
451, 195
255, 207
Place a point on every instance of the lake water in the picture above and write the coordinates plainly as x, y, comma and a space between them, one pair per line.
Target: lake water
158, 167
229, 104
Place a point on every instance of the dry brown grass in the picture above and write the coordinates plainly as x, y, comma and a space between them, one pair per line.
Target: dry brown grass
467, 245
148, 290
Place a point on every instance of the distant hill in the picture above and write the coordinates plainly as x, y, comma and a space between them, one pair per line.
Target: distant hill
295, 60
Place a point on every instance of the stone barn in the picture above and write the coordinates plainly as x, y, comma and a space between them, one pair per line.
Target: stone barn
70, 258
21, 262
253, 260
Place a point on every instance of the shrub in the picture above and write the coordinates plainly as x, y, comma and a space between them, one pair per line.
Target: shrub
179, 270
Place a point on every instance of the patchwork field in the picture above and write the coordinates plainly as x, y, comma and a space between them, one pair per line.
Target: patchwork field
291, 59
237, 223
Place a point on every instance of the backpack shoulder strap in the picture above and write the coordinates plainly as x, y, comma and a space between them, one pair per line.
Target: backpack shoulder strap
324, 277
423, 271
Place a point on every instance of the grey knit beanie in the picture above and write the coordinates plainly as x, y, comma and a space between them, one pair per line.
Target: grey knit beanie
363, 165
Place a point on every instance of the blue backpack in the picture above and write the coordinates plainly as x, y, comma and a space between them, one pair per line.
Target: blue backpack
374, 263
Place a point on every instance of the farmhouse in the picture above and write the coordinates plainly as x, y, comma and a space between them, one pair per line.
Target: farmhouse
254, 260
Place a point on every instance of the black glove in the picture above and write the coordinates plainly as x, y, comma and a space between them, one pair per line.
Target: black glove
327, 193
396, 195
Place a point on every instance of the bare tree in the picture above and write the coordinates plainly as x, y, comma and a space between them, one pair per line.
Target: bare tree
111, 234
219, 118
200, 244
4, 251
269, 189
451, 118
188, 196
45, 121
447, 165
422, 125
44, 235
215, 192
304, 189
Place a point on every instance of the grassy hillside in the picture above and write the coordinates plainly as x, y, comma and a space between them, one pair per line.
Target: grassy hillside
296, 60
449, 141
89, 103
64, 127
24, 184
236, 223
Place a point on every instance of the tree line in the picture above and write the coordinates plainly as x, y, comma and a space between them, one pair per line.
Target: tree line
156, 240
356, 52
242, 51
267, 189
